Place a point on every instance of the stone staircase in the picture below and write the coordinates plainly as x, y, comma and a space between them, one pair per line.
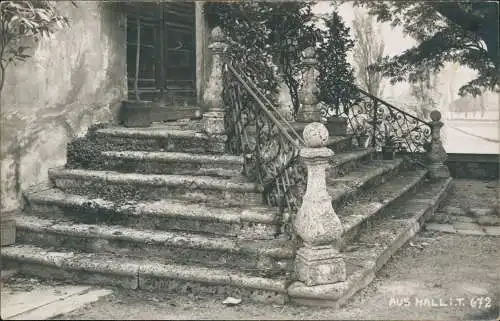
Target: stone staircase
158, 209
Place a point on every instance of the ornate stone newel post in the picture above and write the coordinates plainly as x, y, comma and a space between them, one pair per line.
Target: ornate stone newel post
437, 154
213, 119
318, 261
309, 91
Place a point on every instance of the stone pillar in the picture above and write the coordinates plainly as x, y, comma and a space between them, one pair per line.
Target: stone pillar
308, 93
7, 228
318, 261
437, 154
213, 119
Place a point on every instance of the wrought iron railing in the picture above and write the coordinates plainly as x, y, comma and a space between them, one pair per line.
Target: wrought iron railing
269, 143
387, 125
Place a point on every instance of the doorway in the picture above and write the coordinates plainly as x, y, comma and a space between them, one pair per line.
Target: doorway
167, 57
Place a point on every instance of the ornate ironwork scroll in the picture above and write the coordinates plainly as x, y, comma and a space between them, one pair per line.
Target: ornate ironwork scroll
271, 147
384, 123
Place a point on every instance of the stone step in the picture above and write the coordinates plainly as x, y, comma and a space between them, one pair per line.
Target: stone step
183, 124
131, 186
202, 164
372, 205
116, 270
345, 188
158, 137
166, 215
344, 162
363, 259
340, 144
374, 248
170, 163
260, 257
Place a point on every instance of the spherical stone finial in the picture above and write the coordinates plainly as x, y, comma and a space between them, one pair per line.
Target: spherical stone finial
217, 34
435, 115
309, 52
315, 135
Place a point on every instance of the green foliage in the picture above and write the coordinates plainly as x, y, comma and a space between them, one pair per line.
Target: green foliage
463, 32
267, 40
25, 19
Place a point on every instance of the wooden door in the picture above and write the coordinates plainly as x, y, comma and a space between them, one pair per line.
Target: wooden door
167, 62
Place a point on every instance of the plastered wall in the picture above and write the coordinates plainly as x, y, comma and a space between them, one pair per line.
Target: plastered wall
74, 80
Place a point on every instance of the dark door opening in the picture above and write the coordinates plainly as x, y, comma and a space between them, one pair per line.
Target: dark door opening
167, 62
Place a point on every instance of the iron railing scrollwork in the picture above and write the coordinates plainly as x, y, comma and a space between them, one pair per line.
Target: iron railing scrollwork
269, 143
386, 125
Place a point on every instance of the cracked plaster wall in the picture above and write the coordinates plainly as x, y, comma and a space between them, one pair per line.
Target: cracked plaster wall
74, 80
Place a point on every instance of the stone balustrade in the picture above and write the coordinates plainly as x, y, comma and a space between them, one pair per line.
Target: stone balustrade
213, 119
316, 223
437, 154
309, 90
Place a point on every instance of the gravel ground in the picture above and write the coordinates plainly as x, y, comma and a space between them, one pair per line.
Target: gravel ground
469, 193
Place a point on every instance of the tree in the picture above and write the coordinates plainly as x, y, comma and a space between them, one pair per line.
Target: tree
425, 94
464, 32
21, 20
336, 75
368, 50
266, 33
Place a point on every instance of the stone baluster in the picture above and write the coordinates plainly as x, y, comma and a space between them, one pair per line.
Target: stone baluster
317, 224
213, 119
437, 154
308, 93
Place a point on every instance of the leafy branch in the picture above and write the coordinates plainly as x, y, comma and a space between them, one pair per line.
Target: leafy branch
22, 20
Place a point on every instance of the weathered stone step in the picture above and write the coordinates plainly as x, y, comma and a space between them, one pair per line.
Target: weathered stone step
374, 248
132, 186
170, 163
270, 256
183, 124
345, 188
109, 269
202, 164
340, 144
173, 215
370, 206
344, 162
156, 138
